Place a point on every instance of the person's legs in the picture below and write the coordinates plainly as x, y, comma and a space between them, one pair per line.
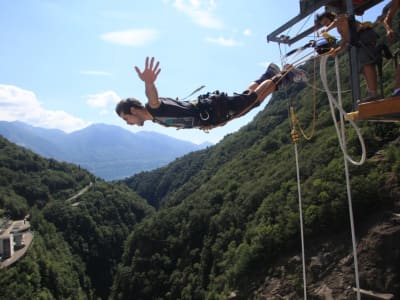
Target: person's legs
240, 104
282, 78
254, 95
367, 58
369, 72
262, 91
271, 71
266, 88
252, 87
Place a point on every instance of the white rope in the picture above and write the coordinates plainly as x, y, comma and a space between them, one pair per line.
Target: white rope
342, 142
299, 185
301, 222
333, 103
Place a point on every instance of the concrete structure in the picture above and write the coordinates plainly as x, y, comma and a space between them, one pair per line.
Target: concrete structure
15, 238
6, 240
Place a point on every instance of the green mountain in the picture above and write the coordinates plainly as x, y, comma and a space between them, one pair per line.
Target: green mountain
79, 222
228, 216
108, 151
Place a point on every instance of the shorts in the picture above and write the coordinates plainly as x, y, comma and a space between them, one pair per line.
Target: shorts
366, 49
241, 102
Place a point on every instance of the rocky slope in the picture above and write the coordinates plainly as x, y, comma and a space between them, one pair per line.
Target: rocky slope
330, 269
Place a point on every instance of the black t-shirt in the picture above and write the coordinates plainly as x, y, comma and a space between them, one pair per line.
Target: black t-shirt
174, 113
211, 110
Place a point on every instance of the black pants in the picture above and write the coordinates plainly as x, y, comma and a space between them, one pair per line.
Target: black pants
217, 108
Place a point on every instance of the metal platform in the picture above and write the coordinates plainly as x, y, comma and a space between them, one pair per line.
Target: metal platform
308, 7
387, 110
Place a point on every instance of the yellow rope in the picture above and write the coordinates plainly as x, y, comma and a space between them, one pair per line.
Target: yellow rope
295, 120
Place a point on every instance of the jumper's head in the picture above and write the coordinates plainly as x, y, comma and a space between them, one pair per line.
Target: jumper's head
131, 110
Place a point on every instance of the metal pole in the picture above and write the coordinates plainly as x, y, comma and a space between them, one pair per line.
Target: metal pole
355, 79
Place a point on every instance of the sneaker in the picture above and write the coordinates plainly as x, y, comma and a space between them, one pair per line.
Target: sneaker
396, 93
371, 96
272, 70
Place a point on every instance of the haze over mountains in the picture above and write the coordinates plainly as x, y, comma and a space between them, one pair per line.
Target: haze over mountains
108, 151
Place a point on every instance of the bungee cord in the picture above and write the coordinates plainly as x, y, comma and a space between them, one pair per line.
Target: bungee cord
342, 142
334, 104
324, 49
295, 139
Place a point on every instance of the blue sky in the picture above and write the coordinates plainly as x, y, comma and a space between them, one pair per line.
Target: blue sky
65, 64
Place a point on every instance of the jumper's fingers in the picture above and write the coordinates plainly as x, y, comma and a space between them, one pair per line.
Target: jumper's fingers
147, 62
151, 63
156, 66
137, 70
158, 72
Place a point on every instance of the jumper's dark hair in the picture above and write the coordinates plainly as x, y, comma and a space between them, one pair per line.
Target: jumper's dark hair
124, 106
327, 14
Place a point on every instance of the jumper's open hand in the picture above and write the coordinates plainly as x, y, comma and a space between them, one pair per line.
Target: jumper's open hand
150, 72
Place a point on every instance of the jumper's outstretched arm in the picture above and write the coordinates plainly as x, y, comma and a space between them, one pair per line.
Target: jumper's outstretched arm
149, 76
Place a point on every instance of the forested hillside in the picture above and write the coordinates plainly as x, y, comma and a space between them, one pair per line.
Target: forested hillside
229, 213
78, 241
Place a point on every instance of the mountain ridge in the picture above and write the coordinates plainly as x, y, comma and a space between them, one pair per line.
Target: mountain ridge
108, 151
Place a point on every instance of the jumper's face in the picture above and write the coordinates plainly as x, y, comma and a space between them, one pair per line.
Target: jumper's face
134, 118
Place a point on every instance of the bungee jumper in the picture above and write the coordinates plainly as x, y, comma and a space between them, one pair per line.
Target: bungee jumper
207, 111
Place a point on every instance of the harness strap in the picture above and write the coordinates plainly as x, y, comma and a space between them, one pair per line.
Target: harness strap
213, 108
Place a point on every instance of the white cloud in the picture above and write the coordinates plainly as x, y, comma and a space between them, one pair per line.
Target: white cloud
131, 37
223, 41
95, 73
247, 32
200, 11
21, 105
104, 112
104, 101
